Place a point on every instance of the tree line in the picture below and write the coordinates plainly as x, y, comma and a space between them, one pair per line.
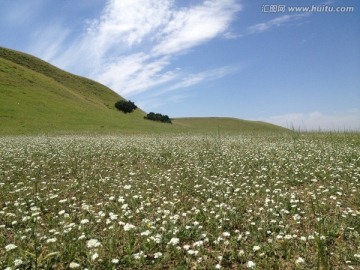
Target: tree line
127, 106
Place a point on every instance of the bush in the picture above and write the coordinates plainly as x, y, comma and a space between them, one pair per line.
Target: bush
125, 106
158, 117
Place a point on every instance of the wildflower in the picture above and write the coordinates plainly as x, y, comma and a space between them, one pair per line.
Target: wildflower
115, 261
10, 247
94, 256
299, 260
226, 234
84, 221
139, 255
256, 248
145, 233
250, 264
128, 227
157, 255
18, 262
93, 243
192, 252
74, 265
218, 266
174, 241
357, 256
51, 240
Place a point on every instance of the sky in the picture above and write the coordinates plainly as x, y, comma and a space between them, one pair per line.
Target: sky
262, 60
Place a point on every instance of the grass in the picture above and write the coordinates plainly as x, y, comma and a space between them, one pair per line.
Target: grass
230, 125
270, 201
38, 98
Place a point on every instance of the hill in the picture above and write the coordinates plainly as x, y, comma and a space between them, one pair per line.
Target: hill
226, 124
39, 98
36, 97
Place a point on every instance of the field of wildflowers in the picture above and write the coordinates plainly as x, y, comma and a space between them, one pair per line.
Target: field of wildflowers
180, 202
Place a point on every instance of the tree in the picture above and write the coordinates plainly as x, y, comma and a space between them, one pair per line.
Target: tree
158, 117
125, 106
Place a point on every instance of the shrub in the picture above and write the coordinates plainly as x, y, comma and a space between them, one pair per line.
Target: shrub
158, 117
125, 106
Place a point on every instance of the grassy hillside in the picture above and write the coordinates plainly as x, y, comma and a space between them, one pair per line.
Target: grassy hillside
38, 98
223, 124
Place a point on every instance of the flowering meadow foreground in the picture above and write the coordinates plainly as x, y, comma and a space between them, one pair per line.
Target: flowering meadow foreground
180, 202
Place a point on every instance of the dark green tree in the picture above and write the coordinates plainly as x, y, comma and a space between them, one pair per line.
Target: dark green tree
125, 106
158, 117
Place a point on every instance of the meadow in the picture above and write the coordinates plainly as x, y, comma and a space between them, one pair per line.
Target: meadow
270, 201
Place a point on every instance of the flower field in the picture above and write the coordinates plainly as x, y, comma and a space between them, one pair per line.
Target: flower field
180, 202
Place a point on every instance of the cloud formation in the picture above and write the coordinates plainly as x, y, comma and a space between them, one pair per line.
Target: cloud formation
276, 22
132, 45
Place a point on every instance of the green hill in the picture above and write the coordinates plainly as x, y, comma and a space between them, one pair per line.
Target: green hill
225, 124
38, 98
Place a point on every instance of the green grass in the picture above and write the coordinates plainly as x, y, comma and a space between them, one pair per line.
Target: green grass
276, 201
229, 125
38, 98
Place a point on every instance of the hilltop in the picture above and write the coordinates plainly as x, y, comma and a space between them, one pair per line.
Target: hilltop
39, 98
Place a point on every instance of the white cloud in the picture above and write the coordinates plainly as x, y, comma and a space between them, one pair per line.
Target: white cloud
276, 22
135, 73
128, 22
195, 25
337, 121
52, 38
132, 45
208, 75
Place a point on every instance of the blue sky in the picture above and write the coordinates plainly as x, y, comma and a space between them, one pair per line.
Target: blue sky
238, 58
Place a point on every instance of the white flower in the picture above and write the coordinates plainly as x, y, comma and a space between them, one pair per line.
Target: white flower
139, 255
115, 261
145, 233
357, 256
192, 252
84, 221
157, 255
18, 262
256, 248
51, 240
94, 256
218, 266
299, 260
127, 186
74, 265
174, 241
128, 227
93, 243
250, 264
226, 234
10, 247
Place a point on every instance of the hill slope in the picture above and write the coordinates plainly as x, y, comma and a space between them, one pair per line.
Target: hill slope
225, 124
38, 98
